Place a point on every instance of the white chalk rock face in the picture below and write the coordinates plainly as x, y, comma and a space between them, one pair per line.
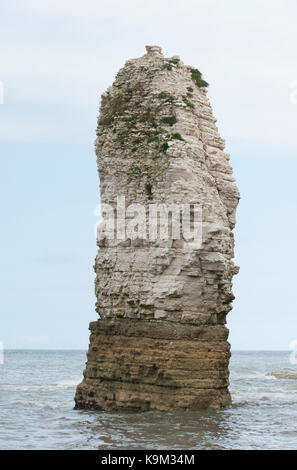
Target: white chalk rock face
161, 340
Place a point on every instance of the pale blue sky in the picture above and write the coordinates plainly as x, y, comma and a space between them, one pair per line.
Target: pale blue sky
57, 57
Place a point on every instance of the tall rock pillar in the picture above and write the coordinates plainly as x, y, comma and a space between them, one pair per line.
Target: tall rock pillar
161, 341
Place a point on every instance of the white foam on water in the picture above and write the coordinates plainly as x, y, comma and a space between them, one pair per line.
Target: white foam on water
68, 384
283, 374
27, 388
37, 404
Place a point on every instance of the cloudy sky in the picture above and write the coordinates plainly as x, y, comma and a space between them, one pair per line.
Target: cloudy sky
56, 59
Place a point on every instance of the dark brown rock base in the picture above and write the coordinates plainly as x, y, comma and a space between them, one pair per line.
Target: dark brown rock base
153, 365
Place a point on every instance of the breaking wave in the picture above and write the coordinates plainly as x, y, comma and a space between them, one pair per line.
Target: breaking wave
283, 374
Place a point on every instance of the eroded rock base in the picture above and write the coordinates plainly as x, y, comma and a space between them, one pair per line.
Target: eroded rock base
155, 365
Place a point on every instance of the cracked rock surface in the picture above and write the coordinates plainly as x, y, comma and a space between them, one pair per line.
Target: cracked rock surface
161, 341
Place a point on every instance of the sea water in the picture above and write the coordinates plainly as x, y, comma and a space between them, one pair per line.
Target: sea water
36, 408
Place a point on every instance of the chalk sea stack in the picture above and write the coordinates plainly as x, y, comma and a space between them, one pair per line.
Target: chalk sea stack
161, 341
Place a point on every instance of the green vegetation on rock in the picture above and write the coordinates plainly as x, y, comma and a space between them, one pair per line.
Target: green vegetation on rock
197, 78
164, 147
176, 136
170, 120
148, 188
166, 96
187, 102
